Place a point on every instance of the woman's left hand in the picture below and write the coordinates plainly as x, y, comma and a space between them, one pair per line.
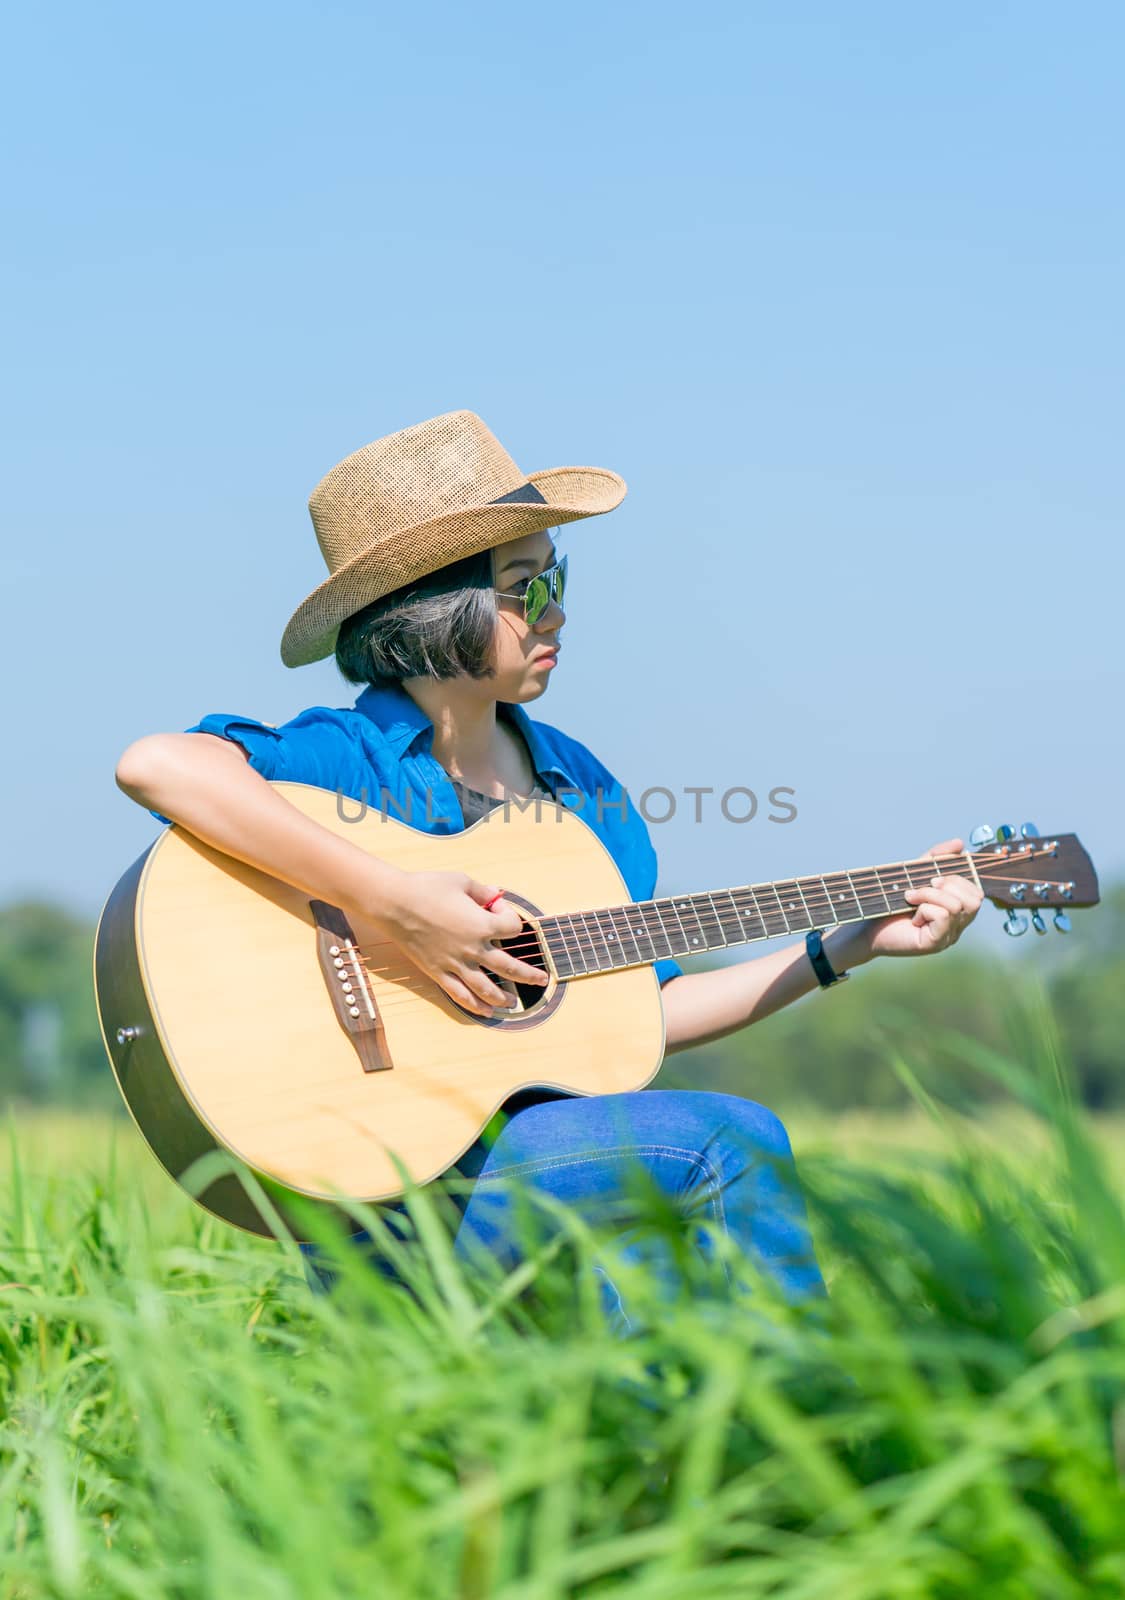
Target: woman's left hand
943, 910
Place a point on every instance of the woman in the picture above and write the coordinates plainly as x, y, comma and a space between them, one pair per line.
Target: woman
444, 598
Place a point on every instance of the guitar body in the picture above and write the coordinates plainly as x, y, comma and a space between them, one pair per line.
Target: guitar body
231, 1026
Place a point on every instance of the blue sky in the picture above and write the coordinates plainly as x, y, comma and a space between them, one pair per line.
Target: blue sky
837, 289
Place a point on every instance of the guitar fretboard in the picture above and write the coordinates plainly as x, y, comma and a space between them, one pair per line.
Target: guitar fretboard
643, 931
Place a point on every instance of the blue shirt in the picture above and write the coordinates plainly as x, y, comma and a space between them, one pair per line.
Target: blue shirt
379, 752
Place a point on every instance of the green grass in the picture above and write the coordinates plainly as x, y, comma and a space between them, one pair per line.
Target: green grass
181, 1417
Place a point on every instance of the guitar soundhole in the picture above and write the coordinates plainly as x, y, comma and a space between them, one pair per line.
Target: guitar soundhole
529, 994
536, 1002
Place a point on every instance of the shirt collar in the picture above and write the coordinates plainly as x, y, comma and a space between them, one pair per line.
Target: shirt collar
404, 723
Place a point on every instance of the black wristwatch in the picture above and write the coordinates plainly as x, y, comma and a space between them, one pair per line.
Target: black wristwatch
826, 974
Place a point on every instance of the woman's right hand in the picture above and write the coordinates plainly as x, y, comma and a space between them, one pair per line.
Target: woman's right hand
439, 922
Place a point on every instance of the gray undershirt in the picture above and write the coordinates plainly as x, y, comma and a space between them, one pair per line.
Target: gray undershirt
476, 805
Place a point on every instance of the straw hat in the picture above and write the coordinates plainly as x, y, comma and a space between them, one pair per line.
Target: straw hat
413, 502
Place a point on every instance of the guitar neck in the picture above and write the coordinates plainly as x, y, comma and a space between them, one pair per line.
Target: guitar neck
643, 931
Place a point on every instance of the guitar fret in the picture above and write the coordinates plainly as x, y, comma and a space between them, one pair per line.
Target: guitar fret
712, 917
844, 898
655, 930
913, 875
916, 874
685, 945
718, 919
573, 947
867, 897
647, 930
729, 920
820, 902
650, 930
658, 907
600, 949
631, 928
899, 881
695, 941
641, 934
793, 911
612, 937
556, 947
751, 911
804, 902
608, 927
763, 894
599, 945
882, 891
578, 933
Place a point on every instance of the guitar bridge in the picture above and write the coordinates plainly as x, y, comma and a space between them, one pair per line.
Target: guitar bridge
349, 989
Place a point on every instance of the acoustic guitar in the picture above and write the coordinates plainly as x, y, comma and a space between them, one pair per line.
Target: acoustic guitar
242, 1016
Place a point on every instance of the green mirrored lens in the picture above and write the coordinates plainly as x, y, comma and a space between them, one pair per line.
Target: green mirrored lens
535, 600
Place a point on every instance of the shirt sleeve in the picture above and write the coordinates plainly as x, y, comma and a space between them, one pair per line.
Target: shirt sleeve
265, 746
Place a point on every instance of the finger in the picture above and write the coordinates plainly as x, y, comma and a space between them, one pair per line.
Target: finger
509, 966
464, 996
504, 921
961, 889
948, 847
939, 922
967, 891
490, 994
510, 922
482, 892
928, 895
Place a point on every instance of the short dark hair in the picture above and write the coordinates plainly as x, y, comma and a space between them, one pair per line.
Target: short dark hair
436, 627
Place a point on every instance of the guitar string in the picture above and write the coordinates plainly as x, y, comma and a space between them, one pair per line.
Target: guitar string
411, 970
738, 896
587, 940
413, 982
864, 880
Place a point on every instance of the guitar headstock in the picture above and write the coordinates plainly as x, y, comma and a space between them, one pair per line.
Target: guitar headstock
1028, 873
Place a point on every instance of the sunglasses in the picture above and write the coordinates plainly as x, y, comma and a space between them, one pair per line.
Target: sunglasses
541, 590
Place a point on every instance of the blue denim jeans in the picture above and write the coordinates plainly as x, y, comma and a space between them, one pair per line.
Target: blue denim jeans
715, 1159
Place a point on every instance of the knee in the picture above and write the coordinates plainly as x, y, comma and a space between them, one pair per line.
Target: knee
527, 1132
762, 1127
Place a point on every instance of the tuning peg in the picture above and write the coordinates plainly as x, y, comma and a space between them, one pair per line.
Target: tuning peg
1005, 832
1015, 923
1028, 830
1062, 922
981, 836
1037, 921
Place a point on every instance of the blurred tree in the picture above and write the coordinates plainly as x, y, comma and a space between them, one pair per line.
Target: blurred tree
50, 1043
1086, 984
